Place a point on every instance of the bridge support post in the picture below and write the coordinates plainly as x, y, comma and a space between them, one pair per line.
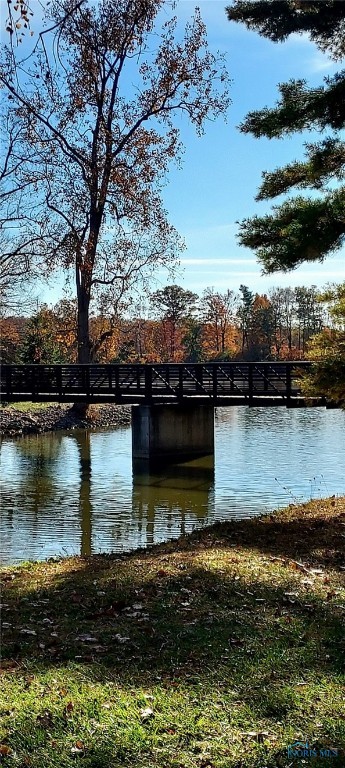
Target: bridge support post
168, 433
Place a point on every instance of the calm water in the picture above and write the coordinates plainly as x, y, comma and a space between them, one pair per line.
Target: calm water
75, 492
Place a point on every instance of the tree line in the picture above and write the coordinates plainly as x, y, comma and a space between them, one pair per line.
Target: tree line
178, 325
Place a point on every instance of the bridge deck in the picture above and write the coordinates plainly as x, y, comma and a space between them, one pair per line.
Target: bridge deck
233, 383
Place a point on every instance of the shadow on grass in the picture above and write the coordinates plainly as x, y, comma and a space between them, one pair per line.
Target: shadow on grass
193, 614
184, 613
318, 541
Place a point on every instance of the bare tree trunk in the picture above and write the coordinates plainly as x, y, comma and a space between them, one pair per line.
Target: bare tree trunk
83, 333
83, 300
84, 346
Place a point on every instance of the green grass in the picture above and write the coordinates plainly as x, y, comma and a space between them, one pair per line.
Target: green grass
27, 407
216, 651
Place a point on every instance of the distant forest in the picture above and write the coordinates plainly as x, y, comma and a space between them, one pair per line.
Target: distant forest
180, 326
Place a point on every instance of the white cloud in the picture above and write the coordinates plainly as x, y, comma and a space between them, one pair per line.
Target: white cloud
321, 63
212, 229
224, 261
316, 61
299, 38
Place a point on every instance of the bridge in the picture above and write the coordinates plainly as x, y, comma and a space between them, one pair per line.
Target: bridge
194, 389
233, 383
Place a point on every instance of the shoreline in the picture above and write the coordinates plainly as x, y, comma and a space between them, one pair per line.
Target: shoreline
250, 530
15, 422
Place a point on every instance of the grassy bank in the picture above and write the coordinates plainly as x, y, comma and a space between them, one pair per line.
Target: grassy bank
217, 651
27, 406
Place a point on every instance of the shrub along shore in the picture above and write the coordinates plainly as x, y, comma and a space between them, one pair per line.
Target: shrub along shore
218, 650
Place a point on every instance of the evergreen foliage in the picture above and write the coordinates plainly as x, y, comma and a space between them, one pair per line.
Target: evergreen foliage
277, 19
39, 345
301, 228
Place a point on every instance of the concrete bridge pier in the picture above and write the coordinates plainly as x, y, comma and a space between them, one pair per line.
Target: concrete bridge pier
168, 433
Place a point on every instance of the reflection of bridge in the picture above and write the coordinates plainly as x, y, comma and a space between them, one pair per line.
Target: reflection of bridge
160, 431
235, 383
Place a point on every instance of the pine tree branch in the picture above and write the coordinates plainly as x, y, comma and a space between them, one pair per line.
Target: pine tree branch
301, 108
323, 20
300, 230
326, 161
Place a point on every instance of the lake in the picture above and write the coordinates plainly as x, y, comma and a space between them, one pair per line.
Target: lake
75, 492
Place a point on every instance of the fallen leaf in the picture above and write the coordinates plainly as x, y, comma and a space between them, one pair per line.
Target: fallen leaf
121, 638
5, 750
78, 749
45, 719
258, 736
298, 566
8, 665
146, 713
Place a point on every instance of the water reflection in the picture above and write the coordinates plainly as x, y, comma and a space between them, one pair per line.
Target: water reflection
55, 485
76, 492
175, 491
34, 461
83, 442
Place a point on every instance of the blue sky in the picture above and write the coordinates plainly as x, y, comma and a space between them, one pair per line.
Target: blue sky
221, 171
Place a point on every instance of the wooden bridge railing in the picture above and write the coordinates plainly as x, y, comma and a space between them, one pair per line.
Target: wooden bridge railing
267, 383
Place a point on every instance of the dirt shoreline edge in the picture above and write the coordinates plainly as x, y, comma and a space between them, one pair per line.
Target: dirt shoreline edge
15, 422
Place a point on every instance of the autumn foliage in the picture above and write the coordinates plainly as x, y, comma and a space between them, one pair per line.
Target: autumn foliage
177, 325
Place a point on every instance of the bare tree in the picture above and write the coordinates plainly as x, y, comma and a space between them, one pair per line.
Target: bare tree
94, 138
16, 287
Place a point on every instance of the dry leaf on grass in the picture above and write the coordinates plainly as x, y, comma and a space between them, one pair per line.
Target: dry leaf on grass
78, 749
5, 750
146, 714
121, 638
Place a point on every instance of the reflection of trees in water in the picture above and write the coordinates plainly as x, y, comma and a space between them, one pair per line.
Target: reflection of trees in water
35, 484
37, 487
29, 492
83, 442
55, 485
